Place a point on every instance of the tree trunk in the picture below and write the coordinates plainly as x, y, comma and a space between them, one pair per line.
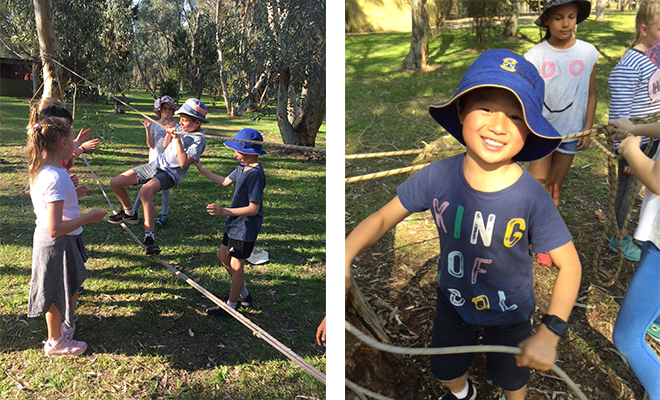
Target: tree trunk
221, 62
289, 135
512, 25
417, 57
600, 10
43, 14
144, 78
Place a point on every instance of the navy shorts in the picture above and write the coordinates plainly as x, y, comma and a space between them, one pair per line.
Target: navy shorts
145, 173
238, 248
450, 330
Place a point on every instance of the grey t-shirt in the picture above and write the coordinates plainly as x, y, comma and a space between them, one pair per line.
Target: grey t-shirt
168, 161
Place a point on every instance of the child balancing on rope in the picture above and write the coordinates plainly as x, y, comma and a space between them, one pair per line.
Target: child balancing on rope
166, 172
244, 216
489, 211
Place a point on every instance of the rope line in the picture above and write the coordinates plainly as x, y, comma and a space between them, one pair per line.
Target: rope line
453, 350
220, 137
256, 330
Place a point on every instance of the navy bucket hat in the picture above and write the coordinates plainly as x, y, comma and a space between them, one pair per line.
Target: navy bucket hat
194, 108
506, 70
247, 148
584, 9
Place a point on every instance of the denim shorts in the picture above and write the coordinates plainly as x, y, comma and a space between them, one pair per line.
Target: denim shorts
449, 330
145, 173
569, 146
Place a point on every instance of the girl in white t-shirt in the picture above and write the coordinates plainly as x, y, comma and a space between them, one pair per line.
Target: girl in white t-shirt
567, 66
641, 304
58, 256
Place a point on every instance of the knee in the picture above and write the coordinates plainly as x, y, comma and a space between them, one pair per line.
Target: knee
623, 338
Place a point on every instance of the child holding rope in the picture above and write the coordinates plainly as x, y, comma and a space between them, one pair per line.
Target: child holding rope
632, 83
166, 172
244, 217
488, 211
59, 256
158, 140
641, 303
567, 65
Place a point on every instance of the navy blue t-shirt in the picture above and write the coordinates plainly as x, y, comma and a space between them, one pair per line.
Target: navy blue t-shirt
485, 265
249, 187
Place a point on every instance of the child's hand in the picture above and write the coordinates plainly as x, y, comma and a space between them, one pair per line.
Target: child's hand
84, 136
320, 334
74, 179
146, 123
81, 191
628, 142
171, 130
539, 351
97, 215
198, 164
90, 145
623, 124
215, 209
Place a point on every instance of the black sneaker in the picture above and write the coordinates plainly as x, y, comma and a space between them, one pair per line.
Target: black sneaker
122, 217
245, 301
162, 220
472, 394
217, 312
151, 247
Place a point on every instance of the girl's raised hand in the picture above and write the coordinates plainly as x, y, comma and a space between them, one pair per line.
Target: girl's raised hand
83, 135
146, 123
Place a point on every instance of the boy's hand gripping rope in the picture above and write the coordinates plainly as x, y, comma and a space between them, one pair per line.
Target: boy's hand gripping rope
446, 350
256, 330
224, 138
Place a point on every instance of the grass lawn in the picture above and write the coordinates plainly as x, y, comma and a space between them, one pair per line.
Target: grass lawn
387, 110
147, 330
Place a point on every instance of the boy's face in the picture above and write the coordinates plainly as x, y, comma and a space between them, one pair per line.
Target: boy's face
189, 124
244, 158
561, 21
494, 129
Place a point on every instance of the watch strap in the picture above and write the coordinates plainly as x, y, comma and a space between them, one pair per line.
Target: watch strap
555, 324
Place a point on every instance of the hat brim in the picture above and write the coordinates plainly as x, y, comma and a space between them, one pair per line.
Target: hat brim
238, 146
198, 118
542, 140
584, 10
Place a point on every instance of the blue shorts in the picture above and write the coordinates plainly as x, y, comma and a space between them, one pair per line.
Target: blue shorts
145, 173
449, 330
569, 146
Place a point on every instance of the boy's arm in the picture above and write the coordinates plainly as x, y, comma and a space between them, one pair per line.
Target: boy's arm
220, 180
370, 231
647, 170
540, 350
583, 142
184, 159
247, 211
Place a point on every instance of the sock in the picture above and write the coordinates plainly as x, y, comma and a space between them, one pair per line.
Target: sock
463, 393
55, 342
231, 304
129, 211
150, 234
66, 329
244, 293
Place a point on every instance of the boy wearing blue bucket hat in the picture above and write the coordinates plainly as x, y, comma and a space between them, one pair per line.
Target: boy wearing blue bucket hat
166, 172
489, 211
244, 216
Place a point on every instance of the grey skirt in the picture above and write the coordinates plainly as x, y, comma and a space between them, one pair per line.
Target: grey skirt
58, 270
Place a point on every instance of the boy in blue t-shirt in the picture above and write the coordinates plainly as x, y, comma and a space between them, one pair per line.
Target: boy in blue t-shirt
166, 172
244, 217
489, 211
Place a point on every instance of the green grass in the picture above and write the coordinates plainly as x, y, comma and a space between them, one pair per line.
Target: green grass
135, 315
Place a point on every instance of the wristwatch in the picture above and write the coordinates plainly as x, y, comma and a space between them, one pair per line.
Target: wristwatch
555, 324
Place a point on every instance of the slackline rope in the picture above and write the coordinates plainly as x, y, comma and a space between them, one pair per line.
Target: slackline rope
224, 138
446, 350
256, 330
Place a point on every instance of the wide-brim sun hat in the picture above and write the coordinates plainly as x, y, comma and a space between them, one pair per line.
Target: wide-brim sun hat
584, 9
244, 147
506, 70
165, 99
194, 108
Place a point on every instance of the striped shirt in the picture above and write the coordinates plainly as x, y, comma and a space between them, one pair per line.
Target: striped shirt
634, 88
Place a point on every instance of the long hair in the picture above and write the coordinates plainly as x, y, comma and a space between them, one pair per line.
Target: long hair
646, 14
41, 137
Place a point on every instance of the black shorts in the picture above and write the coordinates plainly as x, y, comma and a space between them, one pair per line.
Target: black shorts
449, 330
145, 173
237, 248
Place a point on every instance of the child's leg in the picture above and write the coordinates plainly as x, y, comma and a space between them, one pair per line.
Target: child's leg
165, 206
624, 189
224, 258
147, 192
237, 278
640, 307
539, 169
54, 323
118, 185
517, 395
561, 164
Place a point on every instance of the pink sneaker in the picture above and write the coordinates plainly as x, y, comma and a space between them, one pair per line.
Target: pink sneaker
65, 347
544, 259
66, 333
